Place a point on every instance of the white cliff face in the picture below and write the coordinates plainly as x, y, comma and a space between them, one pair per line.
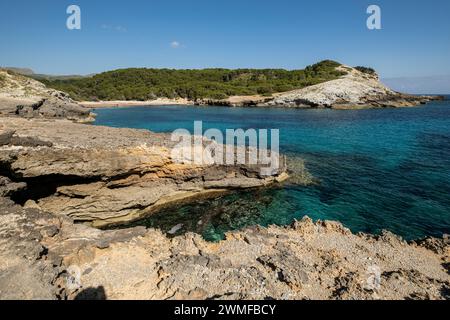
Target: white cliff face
355, 89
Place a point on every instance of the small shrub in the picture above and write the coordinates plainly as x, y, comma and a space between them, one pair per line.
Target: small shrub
366, 70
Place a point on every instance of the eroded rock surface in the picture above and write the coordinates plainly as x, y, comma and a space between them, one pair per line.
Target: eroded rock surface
107, 175
47, 256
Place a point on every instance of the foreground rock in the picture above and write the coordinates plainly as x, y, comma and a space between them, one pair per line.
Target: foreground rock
107, 175
24, 97
46, 256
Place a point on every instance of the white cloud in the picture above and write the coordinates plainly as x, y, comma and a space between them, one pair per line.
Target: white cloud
175, 44
120, 29
113, 28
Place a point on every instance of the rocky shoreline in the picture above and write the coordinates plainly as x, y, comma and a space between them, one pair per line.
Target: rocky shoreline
56, 173
107, 175
47, 256
63, 172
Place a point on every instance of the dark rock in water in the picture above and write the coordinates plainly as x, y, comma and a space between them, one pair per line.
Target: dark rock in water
175, 229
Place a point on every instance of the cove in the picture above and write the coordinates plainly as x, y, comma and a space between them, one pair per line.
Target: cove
377, 169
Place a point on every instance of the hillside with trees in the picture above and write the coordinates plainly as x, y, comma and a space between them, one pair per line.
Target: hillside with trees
147, 84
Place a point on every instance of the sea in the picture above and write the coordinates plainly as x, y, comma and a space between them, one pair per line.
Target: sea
374, 169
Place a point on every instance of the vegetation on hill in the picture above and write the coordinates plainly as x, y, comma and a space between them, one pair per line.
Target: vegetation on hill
366, 70
147, 84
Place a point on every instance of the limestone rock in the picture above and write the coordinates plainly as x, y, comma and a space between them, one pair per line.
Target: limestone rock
8, 188
5, 137
121, 175
49, 257
28, 98
355, 90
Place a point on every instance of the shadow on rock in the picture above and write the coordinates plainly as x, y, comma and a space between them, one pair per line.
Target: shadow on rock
92, 294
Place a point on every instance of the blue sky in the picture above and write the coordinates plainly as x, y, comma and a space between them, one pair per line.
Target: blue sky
414, 41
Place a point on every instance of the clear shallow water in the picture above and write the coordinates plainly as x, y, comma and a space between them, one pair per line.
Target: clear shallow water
379, 169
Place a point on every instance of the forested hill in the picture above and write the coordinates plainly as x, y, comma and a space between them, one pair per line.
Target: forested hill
148, 84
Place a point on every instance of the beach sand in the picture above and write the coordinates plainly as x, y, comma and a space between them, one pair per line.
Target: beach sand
132, 103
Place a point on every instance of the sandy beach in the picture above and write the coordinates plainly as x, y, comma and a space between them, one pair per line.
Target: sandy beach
134, 103
232, 101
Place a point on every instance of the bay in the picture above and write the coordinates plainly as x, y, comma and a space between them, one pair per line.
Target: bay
378, 169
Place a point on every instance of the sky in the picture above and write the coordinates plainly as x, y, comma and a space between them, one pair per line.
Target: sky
414, 40
420, 85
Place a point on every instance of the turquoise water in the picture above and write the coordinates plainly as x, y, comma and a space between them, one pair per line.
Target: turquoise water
378, 169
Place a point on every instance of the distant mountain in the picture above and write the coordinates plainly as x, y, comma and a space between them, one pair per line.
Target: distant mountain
38, 76
420, 85
22, 71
